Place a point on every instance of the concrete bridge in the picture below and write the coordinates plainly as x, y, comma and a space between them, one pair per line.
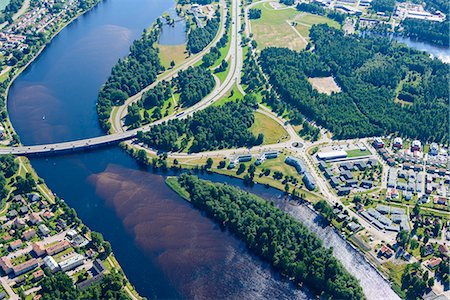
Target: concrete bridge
69, 146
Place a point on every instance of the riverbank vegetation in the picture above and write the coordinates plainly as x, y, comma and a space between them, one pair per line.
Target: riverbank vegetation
386, 87
436, 33
199, 37
130, 75
213, 128
274, 236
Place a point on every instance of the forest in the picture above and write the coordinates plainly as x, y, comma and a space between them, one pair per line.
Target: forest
386, 86
130, 75
8, 167
194, 84
199, 37
436, 33
274, 236
386, 6
60, 287
213, 128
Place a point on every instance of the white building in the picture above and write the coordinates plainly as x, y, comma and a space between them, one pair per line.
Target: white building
332, 155
72, 262
398, 143
51, 263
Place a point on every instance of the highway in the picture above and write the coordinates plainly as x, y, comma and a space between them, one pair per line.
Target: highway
219, 91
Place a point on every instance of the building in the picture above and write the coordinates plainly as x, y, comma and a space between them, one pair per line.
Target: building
26, 266
434, 262
367, 184
297, 163
309, 181
72, 262
38, 249
416, 145
35, 218
6, 265
331, 155
19, 223
51, 263
38, 275
16, 244
29, 234
266, 155
58, 247
398, 143
378, 143
34, 197
44, 230
434, 149
385, 251
244, 158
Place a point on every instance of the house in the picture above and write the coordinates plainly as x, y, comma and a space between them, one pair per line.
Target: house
23, 210
434, 149
372, 162
62, 223
352, 182
51, 263
34, 197
353, 226
361, 165
416, 145
398, 143
378, 143
384, 209
407, 195
35, 218
328, 173
17, 198
390, 161
443, 249
434, 262
19, 223
334, 181
346, 166
38, 275
347, 175
428, 250
418, 167
244, 158
44, 230
16, 244
29, 234
367, 184
12, 214
385, 251
48, 215
344, 191
99, 266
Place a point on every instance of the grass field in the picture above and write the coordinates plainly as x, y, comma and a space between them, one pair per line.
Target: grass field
273, 30
274, 27
172, 182
273, 132
325, 85
357, 153
233, 95
167, 53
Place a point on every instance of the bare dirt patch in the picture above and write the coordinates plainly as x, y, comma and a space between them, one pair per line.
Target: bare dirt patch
324, 85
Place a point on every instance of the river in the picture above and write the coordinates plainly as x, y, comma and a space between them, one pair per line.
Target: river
166, 248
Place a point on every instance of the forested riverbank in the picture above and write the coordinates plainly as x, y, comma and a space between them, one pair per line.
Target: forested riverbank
274, 236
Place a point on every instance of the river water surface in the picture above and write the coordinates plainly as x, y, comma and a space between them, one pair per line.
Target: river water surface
166, 248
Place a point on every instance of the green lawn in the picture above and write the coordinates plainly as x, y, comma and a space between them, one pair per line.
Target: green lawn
172, 182
223, 75
167, 53
233, 95
357, 153
273, 131
224, 50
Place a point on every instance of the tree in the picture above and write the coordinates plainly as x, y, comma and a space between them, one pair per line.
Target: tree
209, 163
403, 238
172, 63
97, 239
107, 248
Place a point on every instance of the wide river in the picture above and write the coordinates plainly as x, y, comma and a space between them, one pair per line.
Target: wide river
166, 248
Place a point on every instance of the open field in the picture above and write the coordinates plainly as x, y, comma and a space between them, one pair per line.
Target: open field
357, 153
324, 85
273, 30
167, 53
273, 132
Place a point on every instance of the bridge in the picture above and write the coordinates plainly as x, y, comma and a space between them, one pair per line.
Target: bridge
70, 146
220, 90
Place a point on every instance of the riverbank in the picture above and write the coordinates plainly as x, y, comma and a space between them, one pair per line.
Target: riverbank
25, 165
